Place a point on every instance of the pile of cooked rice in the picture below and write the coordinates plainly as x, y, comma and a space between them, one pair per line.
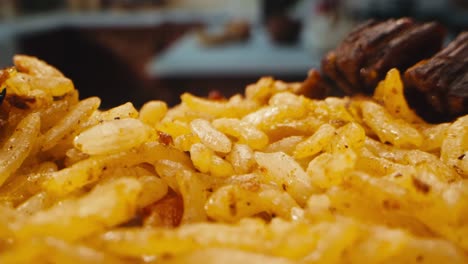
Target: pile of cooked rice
265, 177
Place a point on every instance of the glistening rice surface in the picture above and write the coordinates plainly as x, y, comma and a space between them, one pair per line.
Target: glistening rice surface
264, 177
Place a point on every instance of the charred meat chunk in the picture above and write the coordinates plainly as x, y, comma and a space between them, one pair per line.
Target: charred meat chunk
442, 81
314, 86
373, 48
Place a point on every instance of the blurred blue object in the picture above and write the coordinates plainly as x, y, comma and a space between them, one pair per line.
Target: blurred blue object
256, 57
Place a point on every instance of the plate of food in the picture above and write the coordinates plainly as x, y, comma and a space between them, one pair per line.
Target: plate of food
282, 173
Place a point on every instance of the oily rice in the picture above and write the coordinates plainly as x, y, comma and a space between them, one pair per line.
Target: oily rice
268, 176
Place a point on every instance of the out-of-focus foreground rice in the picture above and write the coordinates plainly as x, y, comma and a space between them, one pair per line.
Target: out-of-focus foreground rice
265, 177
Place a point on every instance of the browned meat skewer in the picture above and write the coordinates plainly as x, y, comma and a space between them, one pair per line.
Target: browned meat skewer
373, 48
442, 81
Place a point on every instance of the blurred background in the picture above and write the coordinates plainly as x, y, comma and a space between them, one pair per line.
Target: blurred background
138, 50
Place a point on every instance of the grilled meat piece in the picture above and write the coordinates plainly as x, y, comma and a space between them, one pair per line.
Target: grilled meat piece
373, 48
314, 86
442, 81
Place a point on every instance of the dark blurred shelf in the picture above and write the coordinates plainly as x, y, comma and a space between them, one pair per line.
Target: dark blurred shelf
60, 19
20, 26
